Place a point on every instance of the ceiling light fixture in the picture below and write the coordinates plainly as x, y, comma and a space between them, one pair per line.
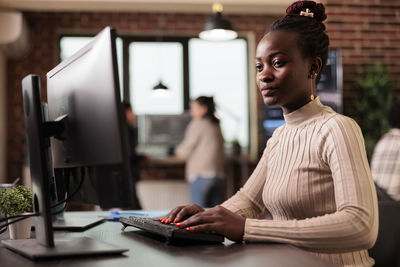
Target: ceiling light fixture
217, 28
160, 86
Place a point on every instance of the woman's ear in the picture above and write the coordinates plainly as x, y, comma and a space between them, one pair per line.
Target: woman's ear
315, 66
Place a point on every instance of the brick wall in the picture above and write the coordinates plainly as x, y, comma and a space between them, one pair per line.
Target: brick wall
366, 31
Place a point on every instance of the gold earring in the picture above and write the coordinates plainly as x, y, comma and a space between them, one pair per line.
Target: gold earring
312, 86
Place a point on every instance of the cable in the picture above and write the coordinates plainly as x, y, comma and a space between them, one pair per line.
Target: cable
3, 227
19, 216
71, 195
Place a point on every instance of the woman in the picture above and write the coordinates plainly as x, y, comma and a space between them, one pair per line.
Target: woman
203, 149
313, 178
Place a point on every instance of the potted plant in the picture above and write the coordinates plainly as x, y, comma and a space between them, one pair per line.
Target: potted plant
373, 103
13, 201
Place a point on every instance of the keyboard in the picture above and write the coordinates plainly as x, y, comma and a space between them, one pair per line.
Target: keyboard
170, 232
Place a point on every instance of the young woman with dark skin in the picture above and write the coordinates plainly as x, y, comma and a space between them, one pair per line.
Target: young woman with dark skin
283, 78
313, 177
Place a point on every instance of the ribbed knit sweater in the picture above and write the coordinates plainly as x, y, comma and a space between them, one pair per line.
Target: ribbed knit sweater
203, 149
315, 182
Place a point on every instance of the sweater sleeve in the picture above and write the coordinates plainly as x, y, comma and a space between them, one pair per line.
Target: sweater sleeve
354, 225
190, 140
248, 202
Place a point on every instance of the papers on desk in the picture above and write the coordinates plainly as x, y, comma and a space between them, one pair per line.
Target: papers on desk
115, 215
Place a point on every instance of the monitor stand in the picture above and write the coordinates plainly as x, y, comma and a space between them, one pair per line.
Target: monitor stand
38, 132
64, 247
76, 224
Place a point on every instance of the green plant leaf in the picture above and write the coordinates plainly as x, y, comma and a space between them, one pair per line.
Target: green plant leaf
15, 200
373, 103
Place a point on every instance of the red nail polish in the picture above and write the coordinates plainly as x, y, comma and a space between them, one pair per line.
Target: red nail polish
168, 221
163, 220
179, 224
191, 229
176, 220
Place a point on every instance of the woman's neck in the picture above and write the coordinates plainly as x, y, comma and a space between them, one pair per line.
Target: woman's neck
295, 105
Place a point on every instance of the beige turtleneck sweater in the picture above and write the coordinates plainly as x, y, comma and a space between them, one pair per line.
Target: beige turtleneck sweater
203, 149
315, 182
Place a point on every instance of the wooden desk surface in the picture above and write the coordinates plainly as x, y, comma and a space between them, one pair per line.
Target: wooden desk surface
146, 251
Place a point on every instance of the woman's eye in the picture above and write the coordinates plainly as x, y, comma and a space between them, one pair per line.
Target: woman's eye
278, 63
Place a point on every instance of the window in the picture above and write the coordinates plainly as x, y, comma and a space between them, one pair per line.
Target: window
219, 69
149, 64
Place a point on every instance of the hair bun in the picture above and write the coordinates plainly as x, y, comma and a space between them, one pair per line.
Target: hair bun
317, 8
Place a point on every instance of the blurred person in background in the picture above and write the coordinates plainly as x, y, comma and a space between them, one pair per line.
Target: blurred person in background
203, 150
385, 163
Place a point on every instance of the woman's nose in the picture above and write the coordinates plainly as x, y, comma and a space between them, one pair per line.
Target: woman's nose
266, 75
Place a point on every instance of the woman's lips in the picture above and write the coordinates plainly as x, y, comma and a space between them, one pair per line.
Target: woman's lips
268, 91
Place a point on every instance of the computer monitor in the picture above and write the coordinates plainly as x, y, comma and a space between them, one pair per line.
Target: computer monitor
330, 87
44, 245
85, 88
85, 123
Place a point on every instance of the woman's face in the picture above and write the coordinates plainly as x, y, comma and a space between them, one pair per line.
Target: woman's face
197, 111
130, 116
282, 71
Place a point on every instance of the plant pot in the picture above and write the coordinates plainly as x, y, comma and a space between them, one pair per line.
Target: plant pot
21, 229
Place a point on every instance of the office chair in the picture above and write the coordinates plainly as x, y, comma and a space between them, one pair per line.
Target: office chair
386, 250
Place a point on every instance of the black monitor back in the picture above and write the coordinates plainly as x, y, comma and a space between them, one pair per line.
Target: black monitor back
85, 87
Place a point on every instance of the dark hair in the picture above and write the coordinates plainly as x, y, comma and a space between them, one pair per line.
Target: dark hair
209, 103
311, 36
126, 105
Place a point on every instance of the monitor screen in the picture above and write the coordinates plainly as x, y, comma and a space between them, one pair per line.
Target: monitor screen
158, 133
93, 146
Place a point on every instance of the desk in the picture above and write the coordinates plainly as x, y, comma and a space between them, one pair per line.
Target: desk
145, 251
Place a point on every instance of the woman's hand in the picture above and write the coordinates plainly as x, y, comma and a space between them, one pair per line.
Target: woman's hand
180, 213
218, 220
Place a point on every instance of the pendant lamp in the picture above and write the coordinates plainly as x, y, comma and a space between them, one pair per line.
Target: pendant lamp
217, 28
160, 86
